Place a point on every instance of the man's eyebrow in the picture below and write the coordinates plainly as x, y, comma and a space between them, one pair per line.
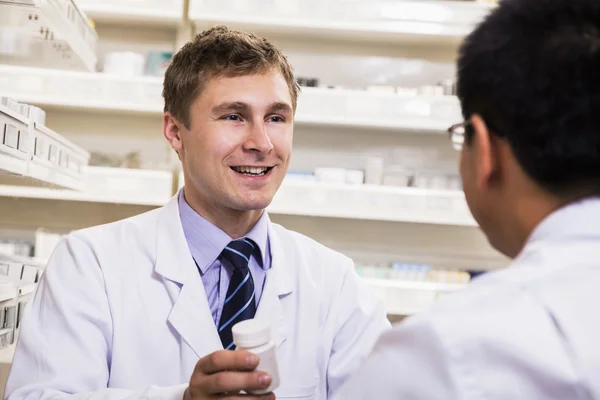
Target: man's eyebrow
230, 107
280, 106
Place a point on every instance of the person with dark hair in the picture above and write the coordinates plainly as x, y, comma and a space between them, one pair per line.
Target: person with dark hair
529, 85
145, 308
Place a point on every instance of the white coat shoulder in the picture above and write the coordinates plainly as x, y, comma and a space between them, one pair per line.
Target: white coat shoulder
477, 343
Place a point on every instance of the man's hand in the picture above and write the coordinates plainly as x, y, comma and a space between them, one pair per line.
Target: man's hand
223, 374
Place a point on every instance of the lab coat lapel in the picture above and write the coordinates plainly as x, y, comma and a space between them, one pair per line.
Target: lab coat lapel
277, 285
190, 316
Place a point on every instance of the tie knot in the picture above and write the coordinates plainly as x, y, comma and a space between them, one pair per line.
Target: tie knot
238, 252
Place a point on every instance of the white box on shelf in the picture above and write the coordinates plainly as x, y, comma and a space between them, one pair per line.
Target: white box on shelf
8, 312
53, 33
56, 160
13, 160
31, 150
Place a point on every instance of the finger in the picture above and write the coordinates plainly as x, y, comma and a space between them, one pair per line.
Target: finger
227, 360
234, 382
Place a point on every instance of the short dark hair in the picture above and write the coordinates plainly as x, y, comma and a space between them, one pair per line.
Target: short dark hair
219, 52
531, 69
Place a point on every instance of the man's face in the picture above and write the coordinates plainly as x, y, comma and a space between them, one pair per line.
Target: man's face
238, 147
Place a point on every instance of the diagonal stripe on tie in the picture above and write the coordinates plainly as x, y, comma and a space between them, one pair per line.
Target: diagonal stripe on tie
238, 313
238, 288
239, 253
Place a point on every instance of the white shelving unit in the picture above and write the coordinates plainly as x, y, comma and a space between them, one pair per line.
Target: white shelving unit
31, 150
378, 203
370, 202
410, 297
316, 106
149, 13
54, 33
349, 20
22, 260
77, 90
107, 185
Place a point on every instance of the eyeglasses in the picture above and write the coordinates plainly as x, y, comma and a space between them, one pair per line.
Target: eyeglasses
457, 134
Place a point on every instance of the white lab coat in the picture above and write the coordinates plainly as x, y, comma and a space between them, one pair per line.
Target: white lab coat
530, 332
121, 313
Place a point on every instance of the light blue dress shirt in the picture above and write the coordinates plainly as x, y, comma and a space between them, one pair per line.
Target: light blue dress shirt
206, 242
530, 332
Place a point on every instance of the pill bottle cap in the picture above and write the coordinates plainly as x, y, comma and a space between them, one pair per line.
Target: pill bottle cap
251, 333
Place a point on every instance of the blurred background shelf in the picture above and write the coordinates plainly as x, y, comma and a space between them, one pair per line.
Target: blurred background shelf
424, 22
107, 185
53, 33
371, 202
405, 298
324, 107
76, 90
368, 202
142, 12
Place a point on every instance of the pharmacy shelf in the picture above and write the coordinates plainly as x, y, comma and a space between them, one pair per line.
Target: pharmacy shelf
371, 202
8, 294
107, 185
146, 12
7, 354
349, 20
32, 154
77, 90
366, 202
413, 285
53, 33
26, 289
373, 110
36, 262
410, 297
316, 106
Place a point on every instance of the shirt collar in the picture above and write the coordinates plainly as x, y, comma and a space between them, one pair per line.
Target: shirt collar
206, 241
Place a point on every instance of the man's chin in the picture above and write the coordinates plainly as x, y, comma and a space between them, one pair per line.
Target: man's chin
253, 205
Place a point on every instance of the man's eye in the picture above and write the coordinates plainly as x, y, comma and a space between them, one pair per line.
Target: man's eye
232, 117
276, 118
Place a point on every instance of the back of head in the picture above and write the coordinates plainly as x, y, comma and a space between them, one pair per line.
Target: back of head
219, 52
532, 71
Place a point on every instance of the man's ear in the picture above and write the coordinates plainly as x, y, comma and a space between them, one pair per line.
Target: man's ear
484, 152
172, 130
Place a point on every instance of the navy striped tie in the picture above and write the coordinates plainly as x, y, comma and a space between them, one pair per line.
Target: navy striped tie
240, 303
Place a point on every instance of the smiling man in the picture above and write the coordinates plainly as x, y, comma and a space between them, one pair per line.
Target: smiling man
143, 308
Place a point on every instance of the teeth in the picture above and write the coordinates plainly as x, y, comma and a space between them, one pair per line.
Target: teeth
251, 170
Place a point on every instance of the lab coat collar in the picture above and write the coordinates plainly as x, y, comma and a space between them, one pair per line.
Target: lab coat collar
191, 316
278, 284
576, 220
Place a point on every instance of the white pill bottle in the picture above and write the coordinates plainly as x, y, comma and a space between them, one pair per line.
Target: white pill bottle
254, 335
